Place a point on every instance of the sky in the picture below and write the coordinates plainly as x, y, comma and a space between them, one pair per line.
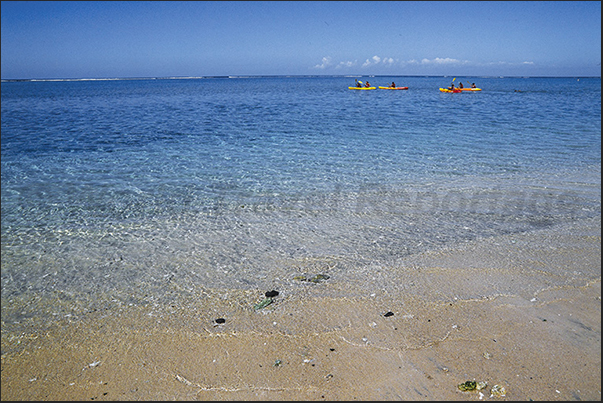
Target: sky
122, 39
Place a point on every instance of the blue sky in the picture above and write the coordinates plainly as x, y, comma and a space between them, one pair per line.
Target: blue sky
106, 39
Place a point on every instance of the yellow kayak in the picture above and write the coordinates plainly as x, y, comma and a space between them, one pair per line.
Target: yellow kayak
362, 88
447, 90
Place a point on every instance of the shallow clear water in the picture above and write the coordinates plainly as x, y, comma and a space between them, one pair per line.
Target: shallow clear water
138, 185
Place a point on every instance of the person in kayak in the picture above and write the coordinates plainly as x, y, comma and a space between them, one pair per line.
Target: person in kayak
367, 84
473, 85
451, 88
358, 83
393, 85
460, 85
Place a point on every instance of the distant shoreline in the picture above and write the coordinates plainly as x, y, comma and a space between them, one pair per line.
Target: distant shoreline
7, 80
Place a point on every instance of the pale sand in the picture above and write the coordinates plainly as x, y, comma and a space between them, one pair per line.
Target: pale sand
541, 341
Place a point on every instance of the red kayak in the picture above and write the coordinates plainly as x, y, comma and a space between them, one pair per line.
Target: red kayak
393, 88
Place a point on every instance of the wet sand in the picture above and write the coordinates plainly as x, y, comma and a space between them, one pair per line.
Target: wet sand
519, 311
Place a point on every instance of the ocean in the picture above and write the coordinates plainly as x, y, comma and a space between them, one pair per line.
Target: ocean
149, 191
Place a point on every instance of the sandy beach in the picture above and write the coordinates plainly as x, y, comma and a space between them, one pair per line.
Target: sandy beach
521, 313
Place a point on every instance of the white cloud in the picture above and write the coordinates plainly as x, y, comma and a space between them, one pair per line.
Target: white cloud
439, 60
378, 60
506, 64
346, 64
326, 61
438, 63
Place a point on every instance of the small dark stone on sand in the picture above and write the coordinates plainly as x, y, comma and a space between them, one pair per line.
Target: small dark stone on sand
271, 294
220, 320
389, 314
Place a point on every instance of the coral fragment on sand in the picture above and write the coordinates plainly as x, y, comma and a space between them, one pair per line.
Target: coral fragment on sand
472, 385
498, 390
263, 304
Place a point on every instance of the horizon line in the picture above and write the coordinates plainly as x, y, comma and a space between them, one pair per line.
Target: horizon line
275, 76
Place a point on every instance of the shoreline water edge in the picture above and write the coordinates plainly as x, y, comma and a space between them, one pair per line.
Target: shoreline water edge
284, 238
452, 321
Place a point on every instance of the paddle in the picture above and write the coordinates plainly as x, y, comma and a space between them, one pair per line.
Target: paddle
450, 88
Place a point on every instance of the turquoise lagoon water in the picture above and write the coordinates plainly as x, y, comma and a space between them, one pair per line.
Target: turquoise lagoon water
126, 190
